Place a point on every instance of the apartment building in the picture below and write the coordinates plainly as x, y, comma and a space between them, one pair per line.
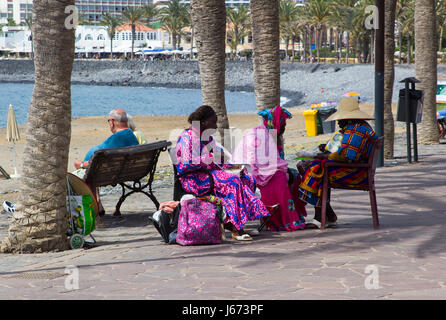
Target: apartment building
18, 10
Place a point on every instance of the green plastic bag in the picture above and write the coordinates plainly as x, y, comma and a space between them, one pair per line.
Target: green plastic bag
81, 209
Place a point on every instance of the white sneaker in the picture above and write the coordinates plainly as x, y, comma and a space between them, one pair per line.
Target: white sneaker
8, 206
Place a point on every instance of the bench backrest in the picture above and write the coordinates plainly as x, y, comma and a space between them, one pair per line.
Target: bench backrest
112, 166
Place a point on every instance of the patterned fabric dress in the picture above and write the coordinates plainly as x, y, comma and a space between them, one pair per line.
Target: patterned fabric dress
357, 142
237, 194
268, 166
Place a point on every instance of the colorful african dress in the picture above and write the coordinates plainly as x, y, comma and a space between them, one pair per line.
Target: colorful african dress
265, 157
357, 143
237, 193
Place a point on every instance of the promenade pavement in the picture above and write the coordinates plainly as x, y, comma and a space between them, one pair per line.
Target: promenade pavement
403, 259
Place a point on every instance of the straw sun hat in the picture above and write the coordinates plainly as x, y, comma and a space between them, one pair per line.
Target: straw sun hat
348, 108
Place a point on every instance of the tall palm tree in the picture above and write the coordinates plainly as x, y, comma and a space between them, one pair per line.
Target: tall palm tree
209, 20
150, 12
343, 17
389, 77
265, 36
175, 16
426, 66
288, 15
402, 10
111, 22
239, 25
133, 15
39, 223
318, 12
408, 28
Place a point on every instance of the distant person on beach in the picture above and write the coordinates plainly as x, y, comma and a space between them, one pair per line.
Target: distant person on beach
357, 142
196, 150
122, 137
138, 134
277, 183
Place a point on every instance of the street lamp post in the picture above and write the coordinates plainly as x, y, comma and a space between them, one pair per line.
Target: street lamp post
379, 78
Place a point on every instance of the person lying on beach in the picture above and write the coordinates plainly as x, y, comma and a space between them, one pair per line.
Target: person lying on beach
122, 137
356, 145
197, 149
277, 183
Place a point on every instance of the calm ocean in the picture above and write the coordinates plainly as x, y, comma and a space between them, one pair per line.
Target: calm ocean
99, 100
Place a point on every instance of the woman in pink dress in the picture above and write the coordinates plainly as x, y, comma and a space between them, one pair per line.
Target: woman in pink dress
196, 150
262, 150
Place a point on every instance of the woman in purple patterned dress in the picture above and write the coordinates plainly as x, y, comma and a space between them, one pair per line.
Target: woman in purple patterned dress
196, 149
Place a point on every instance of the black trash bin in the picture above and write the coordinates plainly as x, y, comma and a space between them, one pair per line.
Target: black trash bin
324, 113
414, 107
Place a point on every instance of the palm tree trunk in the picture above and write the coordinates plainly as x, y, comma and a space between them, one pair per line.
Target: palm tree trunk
192, 42
111, 48
293, 43
286, 48
340, 46
347, 53
409, 48
39, 223
426, 67
174, 41
266, 35
209, 19
133, 39
389, 77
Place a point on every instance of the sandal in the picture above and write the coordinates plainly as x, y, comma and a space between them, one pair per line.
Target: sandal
243, 237
313, 224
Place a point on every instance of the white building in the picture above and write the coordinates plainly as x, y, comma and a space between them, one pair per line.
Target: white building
95, 39
18, 10
16, 39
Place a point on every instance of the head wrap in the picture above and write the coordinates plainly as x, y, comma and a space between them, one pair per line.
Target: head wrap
275, 118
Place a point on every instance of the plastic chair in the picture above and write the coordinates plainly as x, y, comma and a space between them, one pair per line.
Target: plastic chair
370, 186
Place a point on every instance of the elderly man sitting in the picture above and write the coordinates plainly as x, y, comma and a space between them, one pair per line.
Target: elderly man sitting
122, 137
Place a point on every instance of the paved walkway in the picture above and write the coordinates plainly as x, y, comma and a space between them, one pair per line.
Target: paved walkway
404, 259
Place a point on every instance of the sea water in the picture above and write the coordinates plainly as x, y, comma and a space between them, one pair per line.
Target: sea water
90, 100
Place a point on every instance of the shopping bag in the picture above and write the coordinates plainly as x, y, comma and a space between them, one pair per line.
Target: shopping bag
81, 211
199, 221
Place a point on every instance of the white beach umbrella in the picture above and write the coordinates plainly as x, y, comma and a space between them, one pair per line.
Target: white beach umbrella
12, 134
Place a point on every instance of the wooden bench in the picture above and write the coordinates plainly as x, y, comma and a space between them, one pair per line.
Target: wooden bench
127, 167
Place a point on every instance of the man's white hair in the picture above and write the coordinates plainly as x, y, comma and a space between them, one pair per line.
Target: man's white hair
118, 116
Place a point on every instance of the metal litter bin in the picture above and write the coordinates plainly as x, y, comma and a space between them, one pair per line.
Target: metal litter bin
324, 113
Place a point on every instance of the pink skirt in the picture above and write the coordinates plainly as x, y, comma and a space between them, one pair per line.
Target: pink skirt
290, 216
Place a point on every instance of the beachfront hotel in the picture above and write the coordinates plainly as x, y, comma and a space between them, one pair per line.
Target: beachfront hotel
19, 10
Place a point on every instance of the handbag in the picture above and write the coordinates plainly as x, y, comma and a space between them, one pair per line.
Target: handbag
200, 221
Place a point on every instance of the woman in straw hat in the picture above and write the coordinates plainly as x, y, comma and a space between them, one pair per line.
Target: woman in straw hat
356, 145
